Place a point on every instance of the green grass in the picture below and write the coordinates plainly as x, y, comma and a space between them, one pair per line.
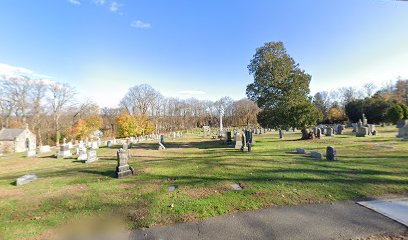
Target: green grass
272, 175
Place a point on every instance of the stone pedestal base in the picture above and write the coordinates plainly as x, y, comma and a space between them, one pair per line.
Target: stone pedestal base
124, 171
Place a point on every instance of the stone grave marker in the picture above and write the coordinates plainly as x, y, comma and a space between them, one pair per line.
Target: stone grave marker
94, 145
319, 133
91, 156
83, 155
330, 153
329, 132
315, 154
300, 151
123, 169
64, 151
280, 134
362, 132
26, 179
238, 141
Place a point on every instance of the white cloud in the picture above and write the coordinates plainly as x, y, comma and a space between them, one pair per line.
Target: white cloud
192, 92
140, 24
114, 6
8, 71
74, 2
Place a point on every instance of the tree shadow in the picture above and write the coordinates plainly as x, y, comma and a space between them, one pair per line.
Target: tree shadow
107, 173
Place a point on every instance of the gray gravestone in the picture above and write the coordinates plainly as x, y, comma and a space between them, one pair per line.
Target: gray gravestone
330, 153
319, 133
317, 155
123, 169
362, 132
91, 156
82, 154
64, 151
26, 179
300, 151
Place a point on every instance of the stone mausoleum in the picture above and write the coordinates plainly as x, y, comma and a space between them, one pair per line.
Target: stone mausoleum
16, 140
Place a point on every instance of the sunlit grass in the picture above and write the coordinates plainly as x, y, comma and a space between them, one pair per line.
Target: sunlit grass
203, 170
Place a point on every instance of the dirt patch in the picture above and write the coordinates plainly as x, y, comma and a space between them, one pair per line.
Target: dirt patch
11, 193
197, 193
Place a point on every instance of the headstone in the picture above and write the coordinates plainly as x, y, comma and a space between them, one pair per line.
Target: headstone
236, 187
371, 129
340, 129
319, 133
70, 145
243, 142
94, 145
329, 132
402, 123
364, 120
359, 124
330, 153
26, 179
64, 151
362, 132
229, 138
31, 153
162, 138
91, 156
125, 146
403, 132
315, 154
123, 169
44, 149
109, 144
300, 151
82, 154
238, 141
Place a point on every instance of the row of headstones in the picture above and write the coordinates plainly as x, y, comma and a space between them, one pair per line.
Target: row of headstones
244, 141
362, 129
81, 151
122, 167
330, 153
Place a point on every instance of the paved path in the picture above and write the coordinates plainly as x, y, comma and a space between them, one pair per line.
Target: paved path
340, 220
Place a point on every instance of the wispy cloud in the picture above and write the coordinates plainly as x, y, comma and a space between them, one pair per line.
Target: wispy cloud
74, 2
192, 92
115, 6
140, 24
8, 71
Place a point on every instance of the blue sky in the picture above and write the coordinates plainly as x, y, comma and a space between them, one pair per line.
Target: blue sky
200, 48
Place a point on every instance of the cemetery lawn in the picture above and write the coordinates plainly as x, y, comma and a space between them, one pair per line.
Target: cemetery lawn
202, 170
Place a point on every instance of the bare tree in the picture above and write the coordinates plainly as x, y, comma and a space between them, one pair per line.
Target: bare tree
61, 96
139, 99
37, 95
369, 89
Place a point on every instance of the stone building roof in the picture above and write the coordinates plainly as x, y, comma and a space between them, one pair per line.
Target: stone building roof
9, 134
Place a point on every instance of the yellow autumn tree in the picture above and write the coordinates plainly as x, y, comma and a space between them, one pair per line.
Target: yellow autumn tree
336, 115
128, 125
85, 127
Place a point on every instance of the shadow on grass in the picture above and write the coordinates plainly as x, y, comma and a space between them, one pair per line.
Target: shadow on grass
212, 144
107, 173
